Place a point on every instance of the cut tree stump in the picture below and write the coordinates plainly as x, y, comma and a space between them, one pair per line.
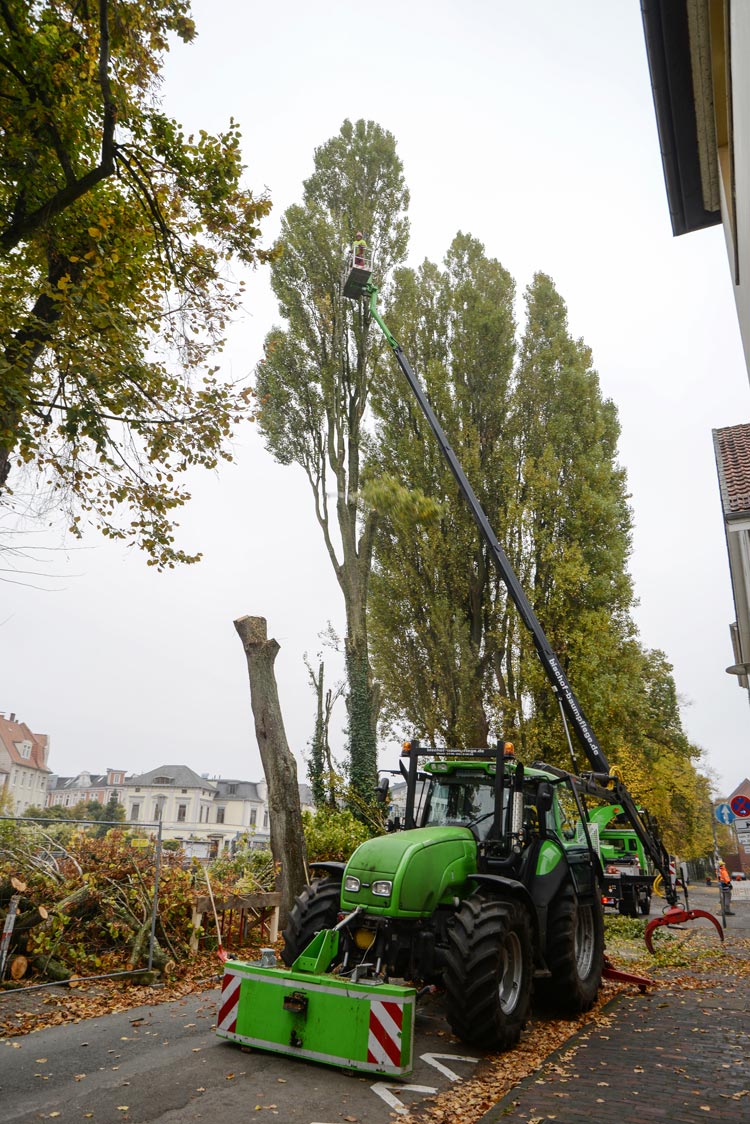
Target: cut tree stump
19, 966
279, 766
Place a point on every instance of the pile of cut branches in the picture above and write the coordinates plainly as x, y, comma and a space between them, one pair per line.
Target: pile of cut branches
82, 905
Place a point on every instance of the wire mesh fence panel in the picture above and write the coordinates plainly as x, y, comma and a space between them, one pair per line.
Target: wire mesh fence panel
86, 898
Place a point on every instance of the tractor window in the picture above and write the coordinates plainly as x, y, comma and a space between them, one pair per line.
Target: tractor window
460, 803
569, 814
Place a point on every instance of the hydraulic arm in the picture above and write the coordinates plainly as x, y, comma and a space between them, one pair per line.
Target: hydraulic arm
600, 781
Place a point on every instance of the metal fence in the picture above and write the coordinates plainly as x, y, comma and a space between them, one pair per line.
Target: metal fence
50, 849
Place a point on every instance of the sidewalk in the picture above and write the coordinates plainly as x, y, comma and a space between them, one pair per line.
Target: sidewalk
677, 1055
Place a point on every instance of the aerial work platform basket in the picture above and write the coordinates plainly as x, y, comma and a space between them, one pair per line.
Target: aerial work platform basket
359, 271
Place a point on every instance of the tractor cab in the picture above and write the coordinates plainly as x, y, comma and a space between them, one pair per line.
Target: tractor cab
358, 269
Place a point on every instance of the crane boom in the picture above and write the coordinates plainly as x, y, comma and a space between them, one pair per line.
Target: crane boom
551, 664
597, 781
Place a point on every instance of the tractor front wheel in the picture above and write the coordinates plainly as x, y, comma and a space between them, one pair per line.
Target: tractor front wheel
575, 953
489, 971
316, 908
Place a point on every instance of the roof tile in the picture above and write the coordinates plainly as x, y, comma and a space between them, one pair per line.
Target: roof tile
732, 446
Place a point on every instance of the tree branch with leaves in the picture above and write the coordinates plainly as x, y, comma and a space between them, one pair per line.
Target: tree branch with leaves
116, 234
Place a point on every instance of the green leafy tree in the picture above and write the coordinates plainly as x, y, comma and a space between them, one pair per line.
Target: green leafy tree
315, 379
115, 233
659, 763
538, 444
437, 606
321, 770
572, 526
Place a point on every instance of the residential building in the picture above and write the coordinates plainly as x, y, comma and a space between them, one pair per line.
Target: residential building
173, 794
66, 792
208, 815
242, 806
699, 58
23, 765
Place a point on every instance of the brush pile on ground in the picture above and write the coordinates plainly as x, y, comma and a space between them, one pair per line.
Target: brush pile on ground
83, 906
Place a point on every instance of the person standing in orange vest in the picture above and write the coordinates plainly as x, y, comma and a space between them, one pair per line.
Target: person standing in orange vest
725, 888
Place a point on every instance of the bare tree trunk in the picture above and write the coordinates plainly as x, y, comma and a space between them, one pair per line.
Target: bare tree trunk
279, 766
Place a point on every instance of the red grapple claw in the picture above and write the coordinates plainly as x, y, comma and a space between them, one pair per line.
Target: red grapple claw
675, 916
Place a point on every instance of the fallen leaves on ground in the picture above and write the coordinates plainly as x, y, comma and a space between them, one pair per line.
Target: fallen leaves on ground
700, 964
22, 1012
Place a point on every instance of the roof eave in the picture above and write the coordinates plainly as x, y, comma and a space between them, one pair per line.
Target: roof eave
665, 24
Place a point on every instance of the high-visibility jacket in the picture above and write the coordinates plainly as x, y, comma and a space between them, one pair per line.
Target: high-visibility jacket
724, 876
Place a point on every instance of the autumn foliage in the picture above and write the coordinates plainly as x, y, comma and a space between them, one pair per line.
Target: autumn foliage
96, 898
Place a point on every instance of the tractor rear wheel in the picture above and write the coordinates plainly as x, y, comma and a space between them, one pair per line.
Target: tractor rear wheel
575, 953
316, 908
489, 971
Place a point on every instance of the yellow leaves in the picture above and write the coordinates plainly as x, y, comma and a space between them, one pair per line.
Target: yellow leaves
95, 232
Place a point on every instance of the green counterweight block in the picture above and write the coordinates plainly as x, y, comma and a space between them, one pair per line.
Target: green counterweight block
368, 1027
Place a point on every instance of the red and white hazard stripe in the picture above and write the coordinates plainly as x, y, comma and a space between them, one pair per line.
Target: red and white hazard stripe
384, 1040
230, 1000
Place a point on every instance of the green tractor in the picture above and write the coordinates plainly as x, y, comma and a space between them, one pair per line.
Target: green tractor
487, 891
492, 889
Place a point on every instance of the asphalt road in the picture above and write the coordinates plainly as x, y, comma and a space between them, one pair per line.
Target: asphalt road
165, 1064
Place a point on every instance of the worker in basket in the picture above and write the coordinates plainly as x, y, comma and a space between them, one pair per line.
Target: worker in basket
725, 888
359, 250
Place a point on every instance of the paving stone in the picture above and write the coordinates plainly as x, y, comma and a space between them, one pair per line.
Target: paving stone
672, 1055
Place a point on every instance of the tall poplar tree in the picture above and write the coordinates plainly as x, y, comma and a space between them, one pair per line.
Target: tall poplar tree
538, 444
572, 522
315, 378
437, 605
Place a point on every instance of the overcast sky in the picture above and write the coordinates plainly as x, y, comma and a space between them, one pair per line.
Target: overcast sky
530, 126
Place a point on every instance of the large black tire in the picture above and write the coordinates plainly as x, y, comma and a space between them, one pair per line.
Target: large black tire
489, 971
645, 906
316, 908
575, 953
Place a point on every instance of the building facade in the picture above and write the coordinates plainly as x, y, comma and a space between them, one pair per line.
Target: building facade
66, 792
23, 765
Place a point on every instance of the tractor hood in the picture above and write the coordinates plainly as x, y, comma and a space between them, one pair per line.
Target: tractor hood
409, 873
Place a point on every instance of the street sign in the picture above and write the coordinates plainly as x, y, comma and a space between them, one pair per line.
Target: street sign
740, 805
724, 813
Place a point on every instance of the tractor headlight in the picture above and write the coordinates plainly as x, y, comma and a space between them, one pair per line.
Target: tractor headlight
382, 889
351, 884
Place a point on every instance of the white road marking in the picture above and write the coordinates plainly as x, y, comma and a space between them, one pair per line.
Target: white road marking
432, 1059
385, 1091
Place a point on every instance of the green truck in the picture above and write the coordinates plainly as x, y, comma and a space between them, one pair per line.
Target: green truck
628, 882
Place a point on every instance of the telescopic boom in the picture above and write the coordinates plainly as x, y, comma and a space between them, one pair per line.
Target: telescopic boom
600, 777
